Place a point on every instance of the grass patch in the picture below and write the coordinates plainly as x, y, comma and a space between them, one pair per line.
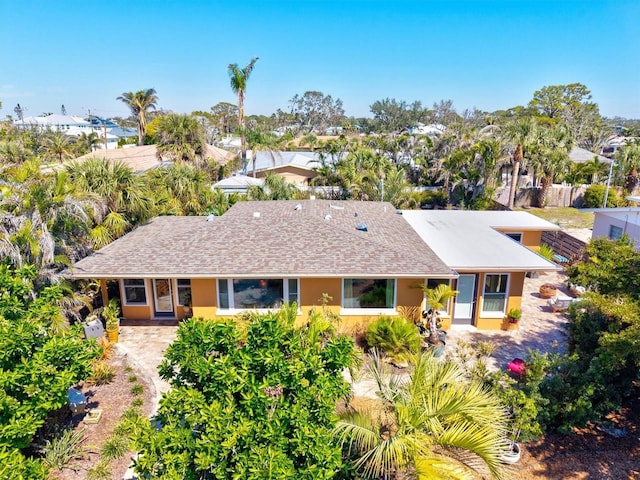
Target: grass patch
133, 378
566, 217
102, 471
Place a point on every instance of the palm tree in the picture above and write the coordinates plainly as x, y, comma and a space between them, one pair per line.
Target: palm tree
519, 133
87, 142
57, 145
239, 78
438, 423
436, 300
140, 103
180, 137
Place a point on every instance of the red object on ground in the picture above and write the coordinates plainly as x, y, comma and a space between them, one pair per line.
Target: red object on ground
517, 366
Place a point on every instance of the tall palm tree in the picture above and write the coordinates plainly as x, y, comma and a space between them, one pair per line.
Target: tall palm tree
438, 423
140, 103
519, 133
239, 78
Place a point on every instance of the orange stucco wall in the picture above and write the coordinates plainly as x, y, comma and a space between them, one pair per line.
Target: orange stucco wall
530, 238
514, 300
409, 302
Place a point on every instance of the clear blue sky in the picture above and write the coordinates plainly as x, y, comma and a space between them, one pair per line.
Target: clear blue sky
485, 54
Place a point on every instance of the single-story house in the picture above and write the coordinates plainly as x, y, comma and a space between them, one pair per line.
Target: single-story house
296, 167
358, 259
612, 223
145, 157
491, 251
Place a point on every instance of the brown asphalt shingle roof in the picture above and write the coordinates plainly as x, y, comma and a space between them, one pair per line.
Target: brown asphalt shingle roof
271, 239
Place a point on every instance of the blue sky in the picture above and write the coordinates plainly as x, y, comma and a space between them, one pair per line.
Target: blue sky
485, 54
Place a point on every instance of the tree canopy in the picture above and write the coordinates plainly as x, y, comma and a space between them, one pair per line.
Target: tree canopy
251, 399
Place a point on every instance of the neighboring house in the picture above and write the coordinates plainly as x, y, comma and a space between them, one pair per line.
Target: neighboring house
612, 223
358, 259
581, 155
237, 184
145, 157
296, 167
491, 251
74, 126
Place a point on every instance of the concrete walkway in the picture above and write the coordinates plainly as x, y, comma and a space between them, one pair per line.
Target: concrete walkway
540, 329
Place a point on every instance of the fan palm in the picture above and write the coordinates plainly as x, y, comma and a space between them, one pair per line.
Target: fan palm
140, 103
436, 424
57, 145
436, 300
520, 134
239, 77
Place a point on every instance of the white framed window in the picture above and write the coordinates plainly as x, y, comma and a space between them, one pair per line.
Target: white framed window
257, 293
363, 295
495, 293
433, 283
183, 291
135, 291
517, 236
615, 232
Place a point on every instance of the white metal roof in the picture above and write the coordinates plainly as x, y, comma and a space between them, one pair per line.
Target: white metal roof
468, 240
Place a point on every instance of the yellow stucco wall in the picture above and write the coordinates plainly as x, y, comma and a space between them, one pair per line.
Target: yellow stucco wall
514, 300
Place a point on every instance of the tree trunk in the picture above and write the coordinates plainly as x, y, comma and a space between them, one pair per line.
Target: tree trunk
517, 157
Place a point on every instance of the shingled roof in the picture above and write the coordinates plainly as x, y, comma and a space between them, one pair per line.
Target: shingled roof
312, 238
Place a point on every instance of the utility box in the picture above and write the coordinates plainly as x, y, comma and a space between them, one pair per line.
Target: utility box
93, 329
77, 401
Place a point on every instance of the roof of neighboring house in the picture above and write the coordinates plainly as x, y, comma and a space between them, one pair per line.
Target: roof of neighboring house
312, 238
53, 120
145, 157
274, 160
139, 159
468, 240
580, 155
237, 183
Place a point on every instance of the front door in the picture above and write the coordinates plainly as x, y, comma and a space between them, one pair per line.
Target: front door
162, 297
465, 300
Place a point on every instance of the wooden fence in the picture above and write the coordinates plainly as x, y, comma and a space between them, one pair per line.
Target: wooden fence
564, 244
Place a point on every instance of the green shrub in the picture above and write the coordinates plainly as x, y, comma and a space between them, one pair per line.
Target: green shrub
102, 471
434, 199
63, 448
115, 447
397, 337
594, 196
137, 389
546, 251
102, 373
133, 378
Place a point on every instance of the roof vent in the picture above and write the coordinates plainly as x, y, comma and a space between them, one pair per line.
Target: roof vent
298, 206
399, 212
312, 197
327, 217
362, 227
210, 218
336, 207
256, 214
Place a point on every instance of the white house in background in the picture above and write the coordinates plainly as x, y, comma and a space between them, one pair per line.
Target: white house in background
612, 223
581, 155
61, 123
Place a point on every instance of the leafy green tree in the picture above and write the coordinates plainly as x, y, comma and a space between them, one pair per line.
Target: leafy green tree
391, 115
140, 103
437, 424
239, 78
315, 112
37, 367
225, 116
252, 400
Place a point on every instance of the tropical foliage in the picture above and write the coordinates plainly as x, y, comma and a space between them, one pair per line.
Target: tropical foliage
252, 399
437, 424
37, 367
